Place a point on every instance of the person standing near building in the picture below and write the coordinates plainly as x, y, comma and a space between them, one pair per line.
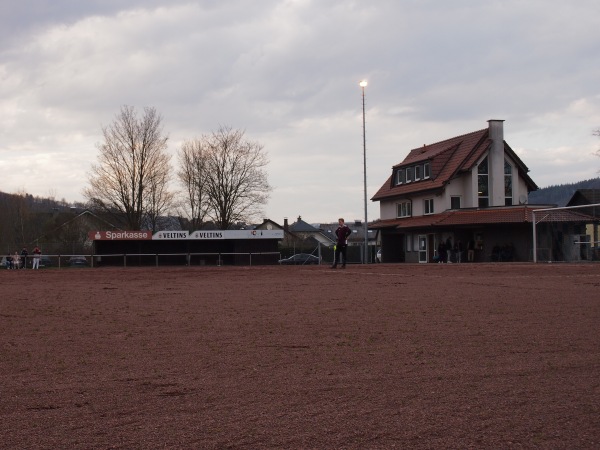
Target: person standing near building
442, 253
471, 251
24, 254
37, 254
16, 260
342, 233
449, 250
458, 250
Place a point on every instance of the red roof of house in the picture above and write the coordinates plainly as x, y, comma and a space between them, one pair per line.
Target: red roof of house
487, 216
447, 158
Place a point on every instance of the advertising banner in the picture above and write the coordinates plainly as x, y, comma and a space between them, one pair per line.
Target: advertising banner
206, 235
120, 235
237, 234
164, 235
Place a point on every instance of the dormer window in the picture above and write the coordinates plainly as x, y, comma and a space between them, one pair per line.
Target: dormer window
426, 170
412, 173
400, 177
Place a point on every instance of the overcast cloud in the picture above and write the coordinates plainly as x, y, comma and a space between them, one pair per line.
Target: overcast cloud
287, 72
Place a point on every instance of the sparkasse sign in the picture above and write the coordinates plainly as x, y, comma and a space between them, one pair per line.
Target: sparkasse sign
119, 235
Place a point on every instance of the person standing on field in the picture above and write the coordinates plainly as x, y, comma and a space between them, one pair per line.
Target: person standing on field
37, 254
342, 233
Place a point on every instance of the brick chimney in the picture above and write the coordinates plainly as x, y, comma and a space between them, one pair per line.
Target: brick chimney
286, 227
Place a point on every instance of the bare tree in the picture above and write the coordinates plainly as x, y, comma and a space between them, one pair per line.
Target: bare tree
236, 179
133, 168
159, 199
192, 175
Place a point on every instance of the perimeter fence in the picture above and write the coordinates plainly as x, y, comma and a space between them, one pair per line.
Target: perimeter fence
143, 259
566, 234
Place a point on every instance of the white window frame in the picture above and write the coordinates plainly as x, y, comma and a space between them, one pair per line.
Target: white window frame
428, 206
422, 238
400, 179
404, 209
426, 170
508, 199
481, 198
419, 169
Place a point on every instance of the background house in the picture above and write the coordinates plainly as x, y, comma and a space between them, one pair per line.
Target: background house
319, 239
590, 242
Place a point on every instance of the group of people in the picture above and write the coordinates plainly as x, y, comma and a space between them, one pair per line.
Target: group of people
19, 260
448, 253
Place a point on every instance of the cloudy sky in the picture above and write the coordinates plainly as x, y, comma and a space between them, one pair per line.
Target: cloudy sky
287, 73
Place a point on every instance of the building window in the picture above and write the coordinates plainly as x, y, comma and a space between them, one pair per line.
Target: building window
418, 170
400, 176
482, 184
426, 170
404, 209
428, 206
409, 174
454, 202
508, 184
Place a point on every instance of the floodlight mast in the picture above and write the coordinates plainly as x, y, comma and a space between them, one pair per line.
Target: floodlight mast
363, 85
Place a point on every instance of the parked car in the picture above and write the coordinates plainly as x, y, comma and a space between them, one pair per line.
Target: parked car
45, 261
300, 259
378, 256
78, 261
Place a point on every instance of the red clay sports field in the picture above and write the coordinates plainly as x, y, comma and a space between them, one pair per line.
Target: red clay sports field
376, 356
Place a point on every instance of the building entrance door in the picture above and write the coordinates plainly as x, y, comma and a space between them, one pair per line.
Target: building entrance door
422, 248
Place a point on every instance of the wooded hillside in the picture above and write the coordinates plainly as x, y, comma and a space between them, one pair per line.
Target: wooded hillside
560, 194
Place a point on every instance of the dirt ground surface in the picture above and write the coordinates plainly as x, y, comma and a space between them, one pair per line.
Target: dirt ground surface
376, 356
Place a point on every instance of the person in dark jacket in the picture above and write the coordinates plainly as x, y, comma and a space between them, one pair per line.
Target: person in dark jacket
24, 254
342, 233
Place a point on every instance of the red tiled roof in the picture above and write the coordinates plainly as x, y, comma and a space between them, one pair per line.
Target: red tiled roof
446, 158
511, 214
